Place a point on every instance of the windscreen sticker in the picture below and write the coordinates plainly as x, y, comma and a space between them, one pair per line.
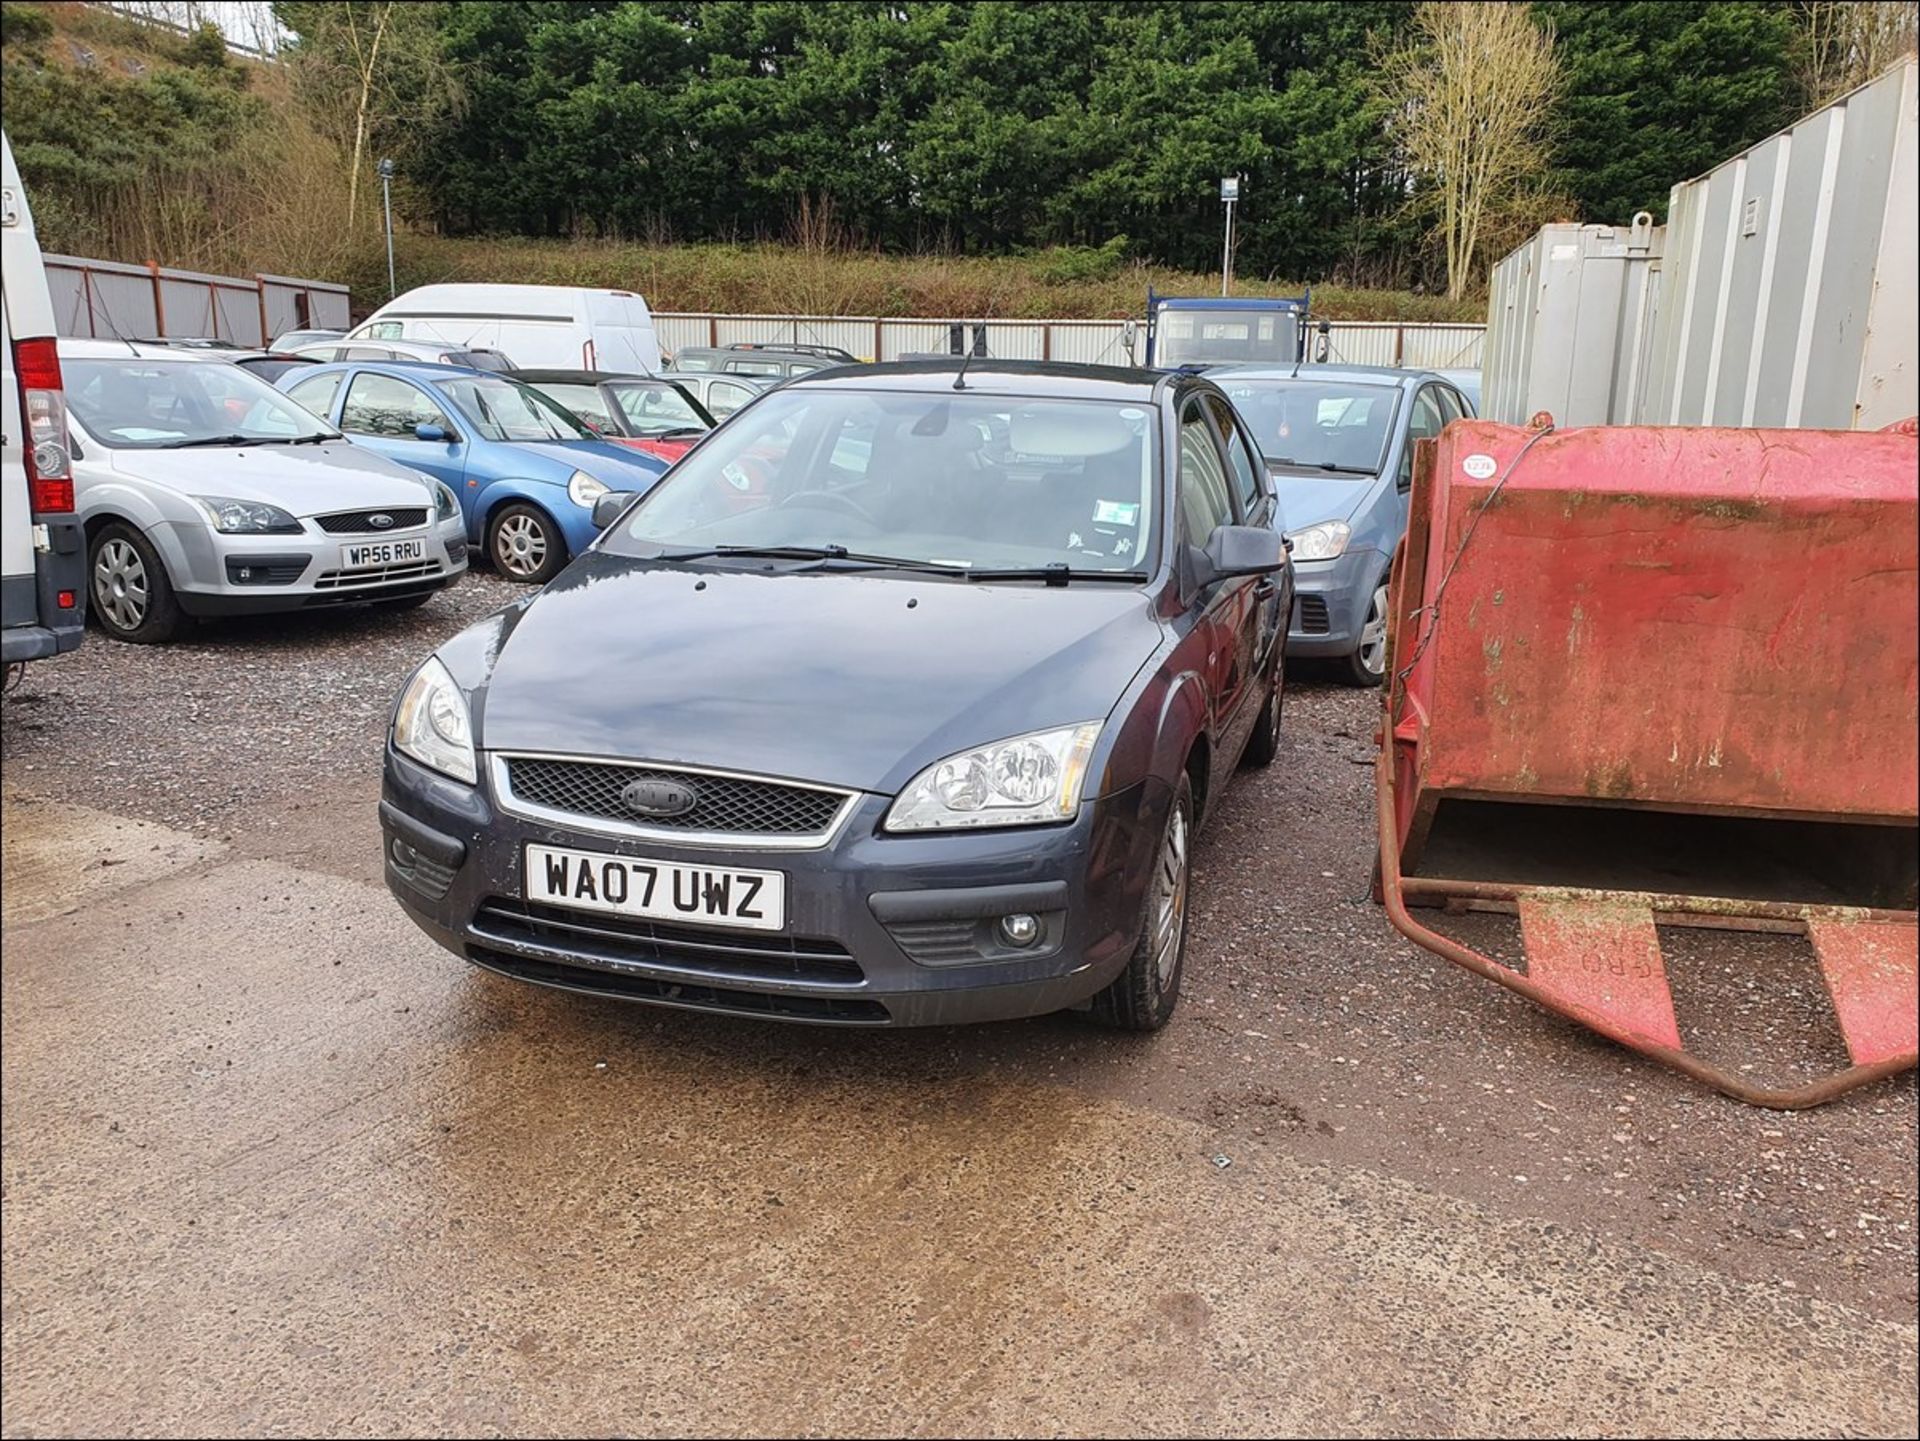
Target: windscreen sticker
736, 477
1480, 466
1115, 512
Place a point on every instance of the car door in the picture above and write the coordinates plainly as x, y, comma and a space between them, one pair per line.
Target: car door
1270, 596
1425, 419
381, 413
1205, 501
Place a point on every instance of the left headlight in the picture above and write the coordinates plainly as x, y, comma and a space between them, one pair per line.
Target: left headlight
247, 517
446, 505
583, 490
430, 724
1026, 780
1326, 541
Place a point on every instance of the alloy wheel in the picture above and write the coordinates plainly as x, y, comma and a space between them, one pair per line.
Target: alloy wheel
1373, 635
120, 586
1170, 899
520, 545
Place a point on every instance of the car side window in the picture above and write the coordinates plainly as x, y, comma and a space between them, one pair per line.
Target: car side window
1424, 424
1205, 502
383, 405
1451, 407
724, 399
316, 393
366, 352
385, 330
1246, 474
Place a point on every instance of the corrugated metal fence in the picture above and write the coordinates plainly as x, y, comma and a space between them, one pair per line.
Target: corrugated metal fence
109, 299
1100, 342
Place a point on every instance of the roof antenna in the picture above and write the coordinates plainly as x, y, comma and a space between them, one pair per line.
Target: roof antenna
960, 380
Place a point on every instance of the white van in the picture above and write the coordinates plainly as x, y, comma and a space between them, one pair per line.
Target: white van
540, 326
43, 585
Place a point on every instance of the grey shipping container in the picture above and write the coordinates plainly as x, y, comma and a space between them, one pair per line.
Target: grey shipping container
1788, 291
1566, 322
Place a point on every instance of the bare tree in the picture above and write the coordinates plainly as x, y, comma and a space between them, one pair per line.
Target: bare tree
1468, 105
373, 72
1845, 43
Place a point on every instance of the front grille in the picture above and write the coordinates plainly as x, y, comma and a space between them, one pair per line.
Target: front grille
355, 522
844, 1011
382, 575
621, 940
1311, 617
726, 805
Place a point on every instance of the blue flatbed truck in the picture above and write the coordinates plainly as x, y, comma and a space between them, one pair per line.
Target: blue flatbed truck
1218, 330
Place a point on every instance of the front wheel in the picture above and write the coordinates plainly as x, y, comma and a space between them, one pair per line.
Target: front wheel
1367, 665
132, 597
525, 544
1143, 996
1264, 744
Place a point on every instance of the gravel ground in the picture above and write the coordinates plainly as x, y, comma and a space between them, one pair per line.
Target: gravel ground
1308, 1025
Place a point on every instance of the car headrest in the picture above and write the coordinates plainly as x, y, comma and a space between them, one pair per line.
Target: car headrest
1069, 430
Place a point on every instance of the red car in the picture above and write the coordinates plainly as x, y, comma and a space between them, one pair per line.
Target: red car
656, 416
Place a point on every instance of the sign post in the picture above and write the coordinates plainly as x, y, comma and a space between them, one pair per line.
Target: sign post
1229, 193
386, 204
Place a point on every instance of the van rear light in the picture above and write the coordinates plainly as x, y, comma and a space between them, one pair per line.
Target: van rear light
47, 454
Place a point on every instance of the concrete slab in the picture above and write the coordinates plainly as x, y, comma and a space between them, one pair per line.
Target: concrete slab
55, 857
274, 1163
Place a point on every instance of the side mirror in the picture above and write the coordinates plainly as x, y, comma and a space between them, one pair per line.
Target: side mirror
607, 509
1234, 550
427, 430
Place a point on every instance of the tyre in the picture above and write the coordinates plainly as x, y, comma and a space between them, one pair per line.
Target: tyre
129, 590
1143, 996
1367, 665
406, 602
1264, 744
524, 544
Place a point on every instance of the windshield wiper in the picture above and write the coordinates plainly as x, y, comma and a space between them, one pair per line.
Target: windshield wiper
1323, 465
1058, 574
320, 439
821, 553
212, 440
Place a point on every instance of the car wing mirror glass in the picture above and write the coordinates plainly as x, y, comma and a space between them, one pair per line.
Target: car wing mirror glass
607, 509
1234, 550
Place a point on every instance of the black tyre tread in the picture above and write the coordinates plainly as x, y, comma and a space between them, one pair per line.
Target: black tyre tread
1264, 744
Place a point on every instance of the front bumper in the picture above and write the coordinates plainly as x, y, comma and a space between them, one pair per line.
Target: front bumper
262, 574
1330, 600
856, 908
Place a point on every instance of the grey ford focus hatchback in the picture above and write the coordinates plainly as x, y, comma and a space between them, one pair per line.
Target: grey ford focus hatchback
897, 702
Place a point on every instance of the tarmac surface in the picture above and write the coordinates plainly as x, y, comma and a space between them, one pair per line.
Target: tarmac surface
274, 1163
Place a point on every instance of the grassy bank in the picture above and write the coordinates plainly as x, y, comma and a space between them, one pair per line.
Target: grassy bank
781, 279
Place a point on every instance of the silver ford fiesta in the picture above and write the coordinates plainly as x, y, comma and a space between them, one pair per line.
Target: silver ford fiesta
204, 491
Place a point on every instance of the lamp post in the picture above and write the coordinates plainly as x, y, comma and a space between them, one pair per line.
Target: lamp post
386, 203
1229, 193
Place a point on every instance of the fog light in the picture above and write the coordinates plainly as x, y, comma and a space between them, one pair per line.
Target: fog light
404, 855
1020, 930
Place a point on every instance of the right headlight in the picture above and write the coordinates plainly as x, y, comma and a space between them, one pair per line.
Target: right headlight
247, 517
431, 725
583, 489
446, 505
1025, 780
1326, 541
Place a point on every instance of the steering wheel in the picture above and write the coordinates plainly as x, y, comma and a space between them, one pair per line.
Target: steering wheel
834, 501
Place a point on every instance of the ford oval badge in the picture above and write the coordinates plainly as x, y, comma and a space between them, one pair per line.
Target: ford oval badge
653, 796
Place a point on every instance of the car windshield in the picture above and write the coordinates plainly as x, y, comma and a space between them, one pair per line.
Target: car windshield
657, 408
585, 401
983, 482
1327, 425
507, 410
143, 404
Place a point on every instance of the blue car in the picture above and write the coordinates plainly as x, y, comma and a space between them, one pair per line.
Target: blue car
1338, 443
527, 471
